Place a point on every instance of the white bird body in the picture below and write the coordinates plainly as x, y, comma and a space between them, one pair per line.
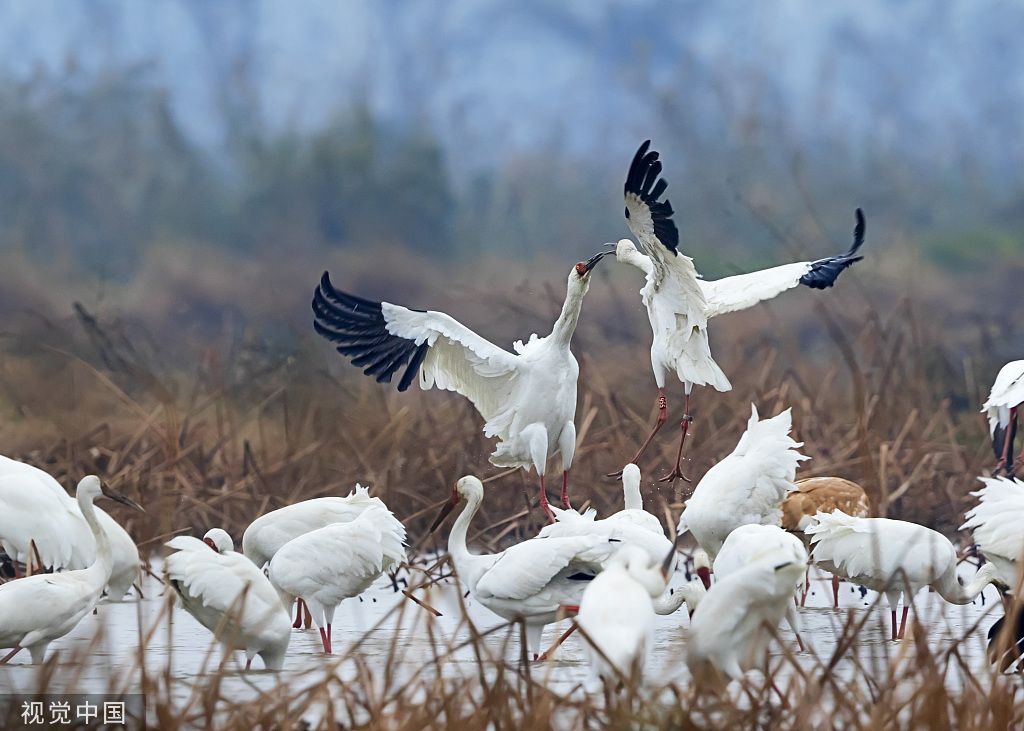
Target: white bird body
267, 534
37, 509
679, 303
751, 543
1004, 400
339, 561
229, 596
527, 398
997, 523
894, 557
733, 623
38, 609
617, 614
531, 580
748, 486
1007, 393
632, 526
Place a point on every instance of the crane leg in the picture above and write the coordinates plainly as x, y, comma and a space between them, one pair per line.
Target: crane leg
298, 613
325, 638
545, 506
248, 663
565, 490
684, 425
903, 622
308, 618
1004, 459
9, 655
662, 418
893, 625
807, 586
546, 655
835, 591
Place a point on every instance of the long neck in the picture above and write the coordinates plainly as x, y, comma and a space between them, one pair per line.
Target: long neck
640, 261
99, 571
950, 589
457, 547
565, 325
632, 498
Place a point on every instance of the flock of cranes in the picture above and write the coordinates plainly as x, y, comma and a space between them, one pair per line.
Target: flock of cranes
757, 528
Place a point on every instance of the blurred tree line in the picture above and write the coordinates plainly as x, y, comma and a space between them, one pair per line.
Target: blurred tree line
95, 171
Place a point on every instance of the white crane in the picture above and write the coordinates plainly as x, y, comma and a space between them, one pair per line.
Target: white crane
632, 526
38, 609
748, 486
534, 581
997, 523
265, 535
40, 521
751, 543
679, 303
822, 495
1004, 401
730, 630
527, 398
617, 613
229, 596
894, 557
336, 562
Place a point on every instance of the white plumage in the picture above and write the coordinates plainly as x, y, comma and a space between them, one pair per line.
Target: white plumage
37, 509
229, 596
632, 526
527, 398
730, 630
997, 522
339, 561
38, 609
265, 535
531, 580
752, 543
617, 614
679, 303
748, 486
1001, 407
894, 557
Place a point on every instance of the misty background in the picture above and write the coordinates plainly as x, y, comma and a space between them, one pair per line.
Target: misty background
167, 159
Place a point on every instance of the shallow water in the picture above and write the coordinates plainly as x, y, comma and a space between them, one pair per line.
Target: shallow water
108, 642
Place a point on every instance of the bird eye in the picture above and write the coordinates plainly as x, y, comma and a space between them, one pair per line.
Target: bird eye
581, 268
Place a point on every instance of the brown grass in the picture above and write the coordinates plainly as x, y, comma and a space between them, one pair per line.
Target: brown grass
215, 427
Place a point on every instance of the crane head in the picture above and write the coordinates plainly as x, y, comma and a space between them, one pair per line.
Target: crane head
583, 268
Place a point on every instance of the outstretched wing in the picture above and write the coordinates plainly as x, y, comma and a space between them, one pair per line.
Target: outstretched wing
383, 338
673, 276
745, 290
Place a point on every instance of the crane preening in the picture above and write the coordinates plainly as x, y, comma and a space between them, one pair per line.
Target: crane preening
527, 398
679, 303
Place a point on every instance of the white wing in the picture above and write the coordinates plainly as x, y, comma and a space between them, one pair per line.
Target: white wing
674, 279
997, 518
265, 535
526, 568
385, 338
745, 290
341, 556
748, 486
1007, 392
218, 580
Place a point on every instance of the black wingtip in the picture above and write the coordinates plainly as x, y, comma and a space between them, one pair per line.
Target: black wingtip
645, 182
359, 331
824, 272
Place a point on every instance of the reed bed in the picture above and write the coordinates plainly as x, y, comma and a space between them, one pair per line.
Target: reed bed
219, 429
